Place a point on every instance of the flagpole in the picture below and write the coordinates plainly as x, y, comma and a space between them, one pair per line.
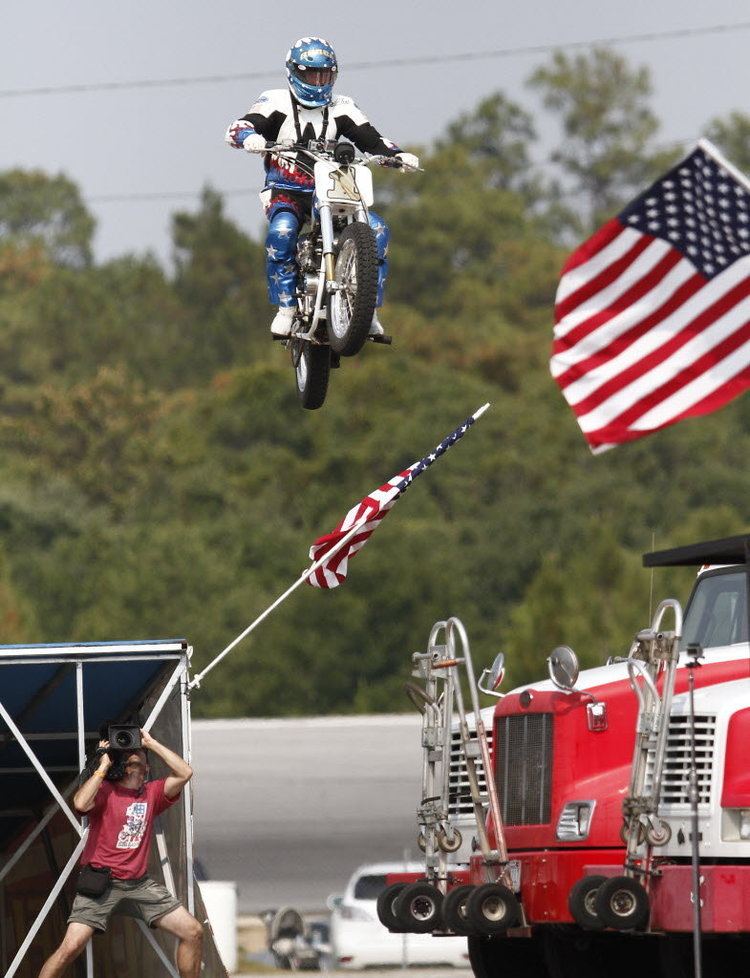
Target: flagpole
195, 683
355, 529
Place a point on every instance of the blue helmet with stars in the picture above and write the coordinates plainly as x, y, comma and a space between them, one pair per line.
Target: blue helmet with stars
311, 68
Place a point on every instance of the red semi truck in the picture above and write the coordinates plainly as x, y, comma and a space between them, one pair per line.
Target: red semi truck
564, 760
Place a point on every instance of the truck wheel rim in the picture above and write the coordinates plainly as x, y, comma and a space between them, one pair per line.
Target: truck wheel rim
494, 909
622, 903
589, 901
422, 908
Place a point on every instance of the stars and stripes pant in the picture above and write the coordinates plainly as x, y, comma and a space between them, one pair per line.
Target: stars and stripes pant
286, 214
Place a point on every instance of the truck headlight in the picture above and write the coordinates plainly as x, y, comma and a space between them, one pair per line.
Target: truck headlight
575, 821
735, 824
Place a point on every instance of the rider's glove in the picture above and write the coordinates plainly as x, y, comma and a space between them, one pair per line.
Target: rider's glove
254, 143
408, 161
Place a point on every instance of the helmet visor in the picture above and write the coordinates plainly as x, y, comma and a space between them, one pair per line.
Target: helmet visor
315, 76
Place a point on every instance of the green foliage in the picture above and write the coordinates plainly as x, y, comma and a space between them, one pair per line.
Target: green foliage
159, 477
608, 128
498, 134
732, 136
35, 208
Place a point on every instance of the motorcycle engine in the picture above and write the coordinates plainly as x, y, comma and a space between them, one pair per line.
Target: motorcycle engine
305, 253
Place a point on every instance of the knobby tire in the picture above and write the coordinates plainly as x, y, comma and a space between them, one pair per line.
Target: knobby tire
363, 302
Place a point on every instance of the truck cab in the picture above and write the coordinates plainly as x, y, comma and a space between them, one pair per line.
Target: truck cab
562, 761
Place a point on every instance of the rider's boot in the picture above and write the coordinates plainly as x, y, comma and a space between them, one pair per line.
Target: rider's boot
282, 321
376, 328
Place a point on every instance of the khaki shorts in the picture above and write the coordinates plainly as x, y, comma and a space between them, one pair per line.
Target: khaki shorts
143, 898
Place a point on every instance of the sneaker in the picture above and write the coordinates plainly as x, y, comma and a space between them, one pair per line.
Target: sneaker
282, 321
376, 328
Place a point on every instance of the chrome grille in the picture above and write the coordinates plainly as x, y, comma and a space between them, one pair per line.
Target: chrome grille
459, 795
676, 774
523, 768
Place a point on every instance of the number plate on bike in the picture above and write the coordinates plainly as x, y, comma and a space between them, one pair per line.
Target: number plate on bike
345, 187
514, 871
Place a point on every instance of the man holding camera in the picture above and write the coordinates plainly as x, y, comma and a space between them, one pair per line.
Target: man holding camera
114, 861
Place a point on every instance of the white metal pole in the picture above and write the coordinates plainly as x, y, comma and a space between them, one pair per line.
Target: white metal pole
166, 865
305, 575
46, 818
158, 948
164, 696
195, 684
81, 764
41, 916
187, 795
40, 770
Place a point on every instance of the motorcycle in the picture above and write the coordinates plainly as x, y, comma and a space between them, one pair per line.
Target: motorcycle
293, 944
338, 264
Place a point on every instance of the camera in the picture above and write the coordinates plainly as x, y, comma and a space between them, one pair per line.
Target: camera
124, 736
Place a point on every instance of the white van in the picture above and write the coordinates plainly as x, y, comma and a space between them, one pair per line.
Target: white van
358, 938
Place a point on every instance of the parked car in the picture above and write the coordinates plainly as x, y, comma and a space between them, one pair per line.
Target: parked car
359, 940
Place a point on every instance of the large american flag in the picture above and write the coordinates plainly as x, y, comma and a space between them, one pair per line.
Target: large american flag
366, 515
653, 312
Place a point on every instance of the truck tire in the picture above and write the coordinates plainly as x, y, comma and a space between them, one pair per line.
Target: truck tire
384, 907
454, 910
582, 902
622, 904
492, 909
418, 908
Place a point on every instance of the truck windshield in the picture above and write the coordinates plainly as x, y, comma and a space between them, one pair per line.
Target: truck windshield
717, 614
369, 887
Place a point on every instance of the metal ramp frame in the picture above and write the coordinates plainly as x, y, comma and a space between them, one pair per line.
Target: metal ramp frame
53, 698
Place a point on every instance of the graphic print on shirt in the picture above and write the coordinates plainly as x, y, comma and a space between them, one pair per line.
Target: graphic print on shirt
132, 831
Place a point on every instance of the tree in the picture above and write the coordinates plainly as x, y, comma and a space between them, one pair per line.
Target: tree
607, 153
498, 134
35, 207
732, 136
594, 599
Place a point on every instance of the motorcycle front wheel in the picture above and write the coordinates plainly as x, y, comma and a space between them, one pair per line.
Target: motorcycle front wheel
311, 364
352, 306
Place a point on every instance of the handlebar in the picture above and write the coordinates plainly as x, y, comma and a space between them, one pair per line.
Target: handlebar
318, 150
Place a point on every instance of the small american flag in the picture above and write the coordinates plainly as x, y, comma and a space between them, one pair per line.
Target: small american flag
653, 312
369, 513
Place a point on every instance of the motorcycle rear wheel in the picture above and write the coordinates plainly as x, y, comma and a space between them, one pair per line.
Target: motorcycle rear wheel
312, 364
351, 308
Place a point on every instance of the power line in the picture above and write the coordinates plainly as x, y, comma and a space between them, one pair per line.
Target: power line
380, 64
157, 195
166, 195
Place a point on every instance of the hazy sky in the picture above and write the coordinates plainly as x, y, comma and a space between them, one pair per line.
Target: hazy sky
168, 140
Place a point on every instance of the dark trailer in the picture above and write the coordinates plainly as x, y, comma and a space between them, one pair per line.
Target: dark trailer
53, 700
721, 598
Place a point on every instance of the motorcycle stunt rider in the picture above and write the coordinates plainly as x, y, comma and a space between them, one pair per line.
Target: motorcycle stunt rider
307, 110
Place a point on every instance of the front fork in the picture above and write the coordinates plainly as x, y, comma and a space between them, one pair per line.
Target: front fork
326, 234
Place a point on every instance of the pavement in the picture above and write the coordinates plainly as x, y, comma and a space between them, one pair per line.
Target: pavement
434, 972
288, 808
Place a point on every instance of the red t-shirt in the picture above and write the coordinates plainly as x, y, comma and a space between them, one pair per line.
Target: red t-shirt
121, 825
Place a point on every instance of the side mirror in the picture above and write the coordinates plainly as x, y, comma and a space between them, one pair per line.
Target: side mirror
494, 676
334, 901
563, 667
